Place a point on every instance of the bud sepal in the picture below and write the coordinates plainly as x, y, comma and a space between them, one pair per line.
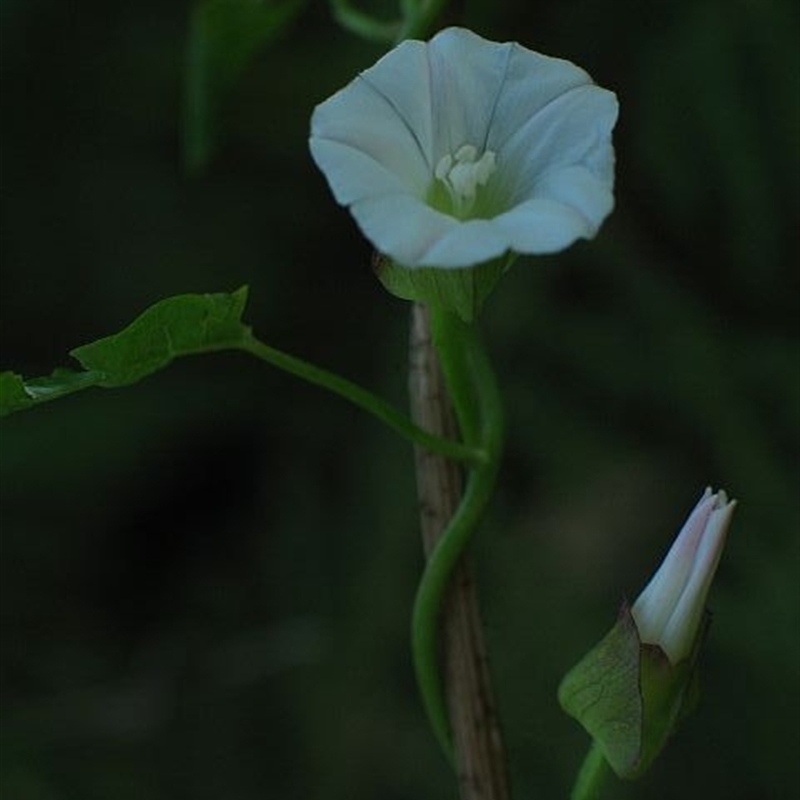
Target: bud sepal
629, 697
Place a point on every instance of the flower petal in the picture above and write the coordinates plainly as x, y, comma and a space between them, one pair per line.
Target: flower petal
532, 82
576, 189
352, 174
402, 78
574, 128
655, 604
543, 225
688, 611
467, 76
402, 226
471, 242
384, 113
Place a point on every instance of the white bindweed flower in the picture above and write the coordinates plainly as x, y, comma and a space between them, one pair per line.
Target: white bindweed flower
453, 152
669, 611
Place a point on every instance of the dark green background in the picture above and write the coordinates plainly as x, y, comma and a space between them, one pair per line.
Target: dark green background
206, 579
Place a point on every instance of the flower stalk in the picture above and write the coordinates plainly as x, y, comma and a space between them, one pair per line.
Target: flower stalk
592, 775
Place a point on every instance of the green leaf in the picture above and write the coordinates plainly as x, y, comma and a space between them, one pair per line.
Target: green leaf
60, 382
224, 38
16, 393
177, 326
13, 396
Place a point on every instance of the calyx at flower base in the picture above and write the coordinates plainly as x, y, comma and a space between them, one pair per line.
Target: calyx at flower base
461, 291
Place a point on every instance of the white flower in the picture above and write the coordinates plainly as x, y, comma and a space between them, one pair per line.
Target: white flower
670, 609
451, 152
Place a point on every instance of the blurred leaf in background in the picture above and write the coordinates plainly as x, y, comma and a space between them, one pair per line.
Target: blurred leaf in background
224, 38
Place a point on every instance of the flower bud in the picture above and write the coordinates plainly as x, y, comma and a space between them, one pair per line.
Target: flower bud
669, 611
631, 691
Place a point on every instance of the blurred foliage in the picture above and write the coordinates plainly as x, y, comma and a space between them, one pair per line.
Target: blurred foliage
223, 39
205, 580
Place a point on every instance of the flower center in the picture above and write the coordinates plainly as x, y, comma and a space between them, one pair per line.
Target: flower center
462, 173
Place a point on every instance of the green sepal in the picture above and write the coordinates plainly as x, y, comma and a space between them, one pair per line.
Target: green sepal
177, 326
460, 291
629, 697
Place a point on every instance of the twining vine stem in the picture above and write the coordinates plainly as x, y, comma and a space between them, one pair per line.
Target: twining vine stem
458, 698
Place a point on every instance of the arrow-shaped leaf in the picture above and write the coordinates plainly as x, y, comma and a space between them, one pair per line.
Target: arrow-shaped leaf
177, 326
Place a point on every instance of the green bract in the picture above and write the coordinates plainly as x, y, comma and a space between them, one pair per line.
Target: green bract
629, 697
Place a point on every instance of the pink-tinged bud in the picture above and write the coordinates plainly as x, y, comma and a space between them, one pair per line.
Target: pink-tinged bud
632, 690
669, 611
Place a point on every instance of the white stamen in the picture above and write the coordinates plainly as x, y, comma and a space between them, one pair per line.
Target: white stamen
466, 153
462, 174
443, 167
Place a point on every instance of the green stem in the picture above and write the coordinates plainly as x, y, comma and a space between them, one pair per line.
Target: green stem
470, 381
363, 24
365, 400
592, 775
476, 400
418, 25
